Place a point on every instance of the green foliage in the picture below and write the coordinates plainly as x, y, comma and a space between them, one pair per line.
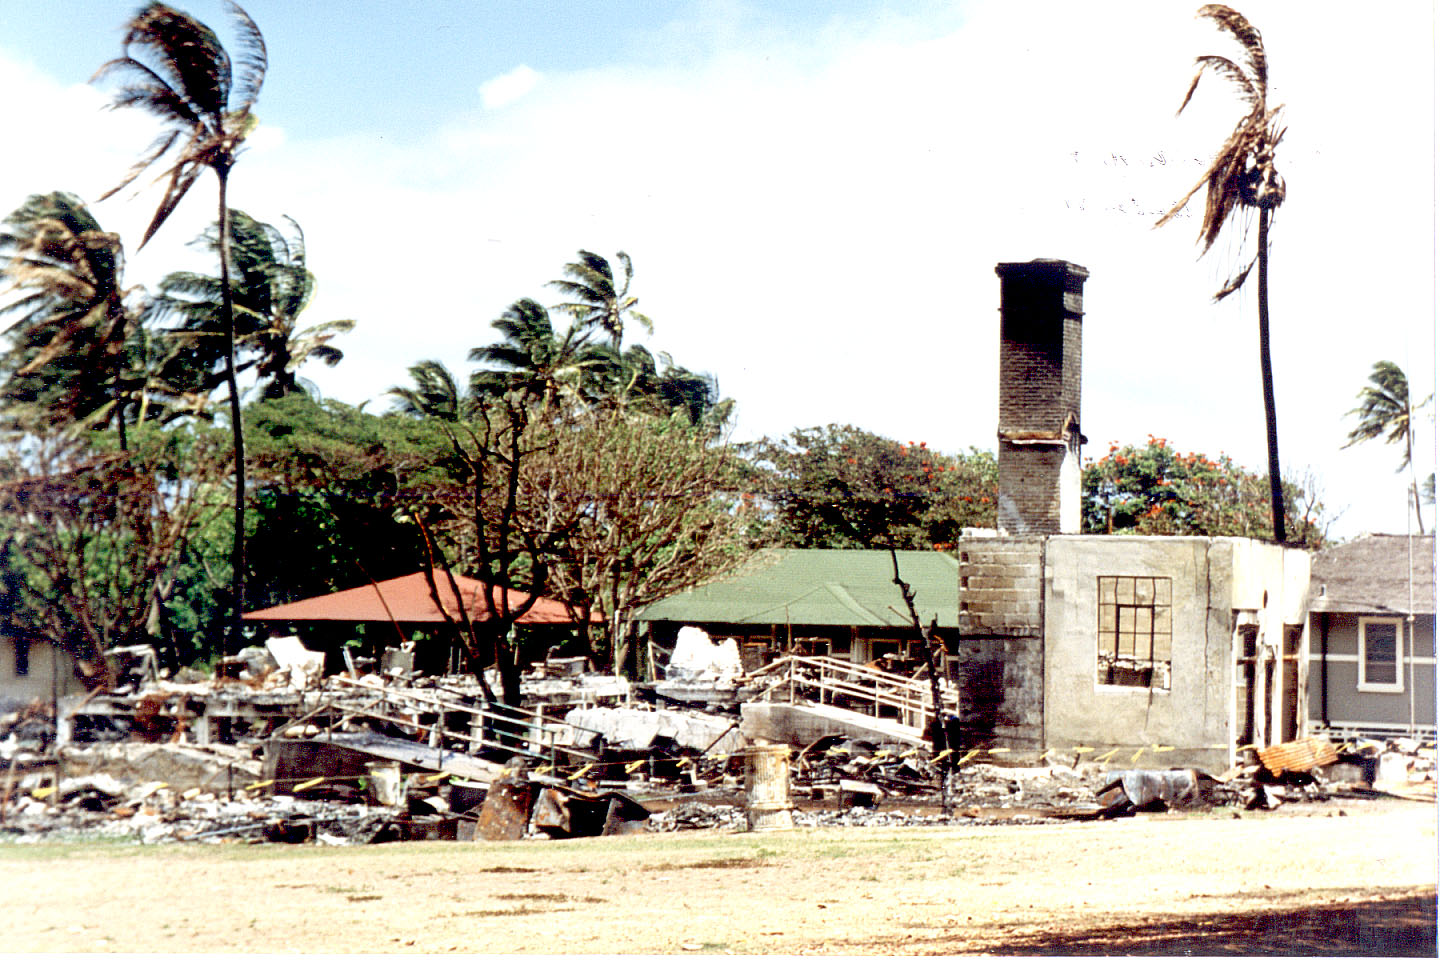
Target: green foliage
840, 486
1155, 489
332, 487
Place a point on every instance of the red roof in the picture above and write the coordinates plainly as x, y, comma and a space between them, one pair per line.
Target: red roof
407, 600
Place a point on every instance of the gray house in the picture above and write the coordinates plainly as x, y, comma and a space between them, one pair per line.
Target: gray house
1372, 630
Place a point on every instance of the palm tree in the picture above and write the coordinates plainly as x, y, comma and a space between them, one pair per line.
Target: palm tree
1243, 177
595, 301
270, 287
68, 342
656, 384
1385, 411
175, 68
535, 360
436, 394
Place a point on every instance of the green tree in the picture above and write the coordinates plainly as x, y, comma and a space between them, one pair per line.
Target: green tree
1157, 490
175, 68
332, 488
66, 355
595, 300
840, 486
1385, 411
1242, 177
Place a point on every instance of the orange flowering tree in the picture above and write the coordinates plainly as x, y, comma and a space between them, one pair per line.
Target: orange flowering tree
1156, 489
840, 486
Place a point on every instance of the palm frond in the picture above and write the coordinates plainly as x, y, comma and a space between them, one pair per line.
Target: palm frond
253, 59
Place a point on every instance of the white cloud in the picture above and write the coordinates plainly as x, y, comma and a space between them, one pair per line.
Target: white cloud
819, 229
507, 88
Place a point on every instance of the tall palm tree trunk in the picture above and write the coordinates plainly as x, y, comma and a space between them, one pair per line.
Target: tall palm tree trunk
1267, 381
1409, 458
237, 427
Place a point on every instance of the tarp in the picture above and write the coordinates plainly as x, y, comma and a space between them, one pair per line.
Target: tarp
408, 600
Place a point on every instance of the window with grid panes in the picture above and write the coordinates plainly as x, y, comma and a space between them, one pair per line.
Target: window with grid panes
1133, 635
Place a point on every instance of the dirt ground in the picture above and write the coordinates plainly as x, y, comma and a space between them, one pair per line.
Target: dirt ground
1355, 879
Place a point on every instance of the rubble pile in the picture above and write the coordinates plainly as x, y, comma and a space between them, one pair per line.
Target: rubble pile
271, 750
27, 733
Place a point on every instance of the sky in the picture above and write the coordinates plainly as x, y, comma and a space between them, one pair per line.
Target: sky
815, 196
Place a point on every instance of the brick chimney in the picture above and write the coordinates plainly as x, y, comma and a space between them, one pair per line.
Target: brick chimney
1041, 303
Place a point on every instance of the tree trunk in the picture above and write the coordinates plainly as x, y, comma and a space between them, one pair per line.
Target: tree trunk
1410, 449
237, 427
1267, 382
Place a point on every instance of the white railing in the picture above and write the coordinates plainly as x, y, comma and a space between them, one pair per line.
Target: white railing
853, 686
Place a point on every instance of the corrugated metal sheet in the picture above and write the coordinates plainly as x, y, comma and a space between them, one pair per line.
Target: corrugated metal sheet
822, 588
1299, 755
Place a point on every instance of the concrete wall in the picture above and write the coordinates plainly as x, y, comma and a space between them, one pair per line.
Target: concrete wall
1335, 697
1000, 659
51, 671
1209, 579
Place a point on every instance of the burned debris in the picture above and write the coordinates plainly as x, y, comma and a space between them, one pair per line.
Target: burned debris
271, 750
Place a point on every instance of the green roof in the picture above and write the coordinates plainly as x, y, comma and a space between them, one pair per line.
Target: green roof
823, 588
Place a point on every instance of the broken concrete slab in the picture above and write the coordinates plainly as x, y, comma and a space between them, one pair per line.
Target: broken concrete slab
799, 724
346, 756
636, 729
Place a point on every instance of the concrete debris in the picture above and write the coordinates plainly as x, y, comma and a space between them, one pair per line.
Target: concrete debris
641, 729
698, 659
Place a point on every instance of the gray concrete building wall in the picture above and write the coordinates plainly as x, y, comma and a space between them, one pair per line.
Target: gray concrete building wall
48, 671
1194, 714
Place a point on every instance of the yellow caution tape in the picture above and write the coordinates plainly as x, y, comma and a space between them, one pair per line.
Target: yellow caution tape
40, 793
581, 772
1137, 754
545, 769
999, 749
1162, 749
1108, 754
910, 753
967, 756
310, 783
634, 765
260, 784
1084, 749
686, 762
435, 777
941, 755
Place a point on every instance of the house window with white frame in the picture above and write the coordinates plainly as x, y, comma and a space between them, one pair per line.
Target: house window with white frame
1133, 648
1382, 643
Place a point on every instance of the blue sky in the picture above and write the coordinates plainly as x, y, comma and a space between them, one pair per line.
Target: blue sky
815, 196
